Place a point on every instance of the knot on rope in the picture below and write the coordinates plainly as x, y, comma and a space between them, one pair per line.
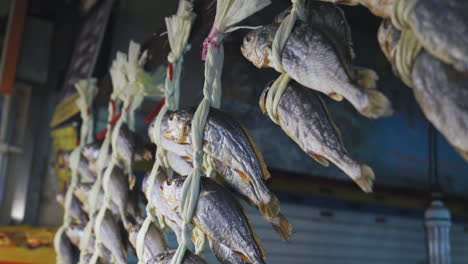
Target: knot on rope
212, 40
408, 47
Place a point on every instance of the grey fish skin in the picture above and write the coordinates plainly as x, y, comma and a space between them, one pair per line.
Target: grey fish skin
130, 149
74, 233
65, 251
443, 36
224, 254
111, 238
118, 190
331, 20
91, 152
304, 117
235, 158
311, 59
154, 241
83, 170
440, 90
228, 176
166, 258
219, 216
175, 222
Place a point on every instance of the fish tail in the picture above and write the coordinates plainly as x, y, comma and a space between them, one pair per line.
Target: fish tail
462, 152
271, 208
379, 105
282, 226
366, 78
366, 179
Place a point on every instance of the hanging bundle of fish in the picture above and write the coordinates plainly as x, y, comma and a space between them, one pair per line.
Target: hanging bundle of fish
436, 61
236, 163
123, 205
440, 90
318, 57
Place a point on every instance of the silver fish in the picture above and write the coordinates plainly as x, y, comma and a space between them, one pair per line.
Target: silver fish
175, 222
224, 254
111, 238
65, 251
235, 157
91, 152
118, 191
130, 148
219, 216
332, 21
83, 191
74, 233
311, 58
440, 90
83, 169
166, 258
154, 241
304, 117
76, 213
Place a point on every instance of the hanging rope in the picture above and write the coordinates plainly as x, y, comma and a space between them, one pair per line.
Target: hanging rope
228, 14
178, 31
408, 46
87, 90
282, 34
131, 83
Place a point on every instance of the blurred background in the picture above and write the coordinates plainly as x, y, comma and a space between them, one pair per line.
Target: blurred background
47, 45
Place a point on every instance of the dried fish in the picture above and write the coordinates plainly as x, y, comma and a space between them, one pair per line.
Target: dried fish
311, 58
304, 117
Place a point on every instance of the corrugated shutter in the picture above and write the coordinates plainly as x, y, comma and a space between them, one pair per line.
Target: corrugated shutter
327, 236
459, 243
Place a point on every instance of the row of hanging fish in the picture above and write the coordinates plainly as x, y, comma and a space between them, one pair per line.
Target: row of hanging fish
318, 57
438, 72
237, 165
124, 211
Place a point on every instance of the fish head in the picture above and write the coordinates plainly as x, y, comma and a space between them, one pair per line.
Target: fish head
263, 98
257, 44
91, 151
170, 192
177, 126
388, 37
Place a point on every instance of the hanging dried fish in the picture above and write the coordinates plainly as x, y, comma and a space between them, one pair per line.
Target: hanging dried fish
440, 90
312, 59
304, 117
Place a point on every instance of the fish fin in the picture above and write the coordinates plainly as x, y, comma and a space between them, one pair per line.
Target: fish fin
330, 120
243, 176
379, 105
366, 78
243, 257
131, 181
282, 226
270, 209
320, 159
366, 180
186, 158
336, 96
462, 152
266, 174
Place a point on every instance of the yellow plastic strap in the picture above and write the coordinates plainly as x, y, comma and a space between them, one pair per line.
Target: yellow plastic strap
408, 47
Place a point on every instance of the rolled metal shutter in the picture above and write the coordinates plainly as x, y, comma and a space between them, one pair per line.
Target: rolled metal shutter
329, 236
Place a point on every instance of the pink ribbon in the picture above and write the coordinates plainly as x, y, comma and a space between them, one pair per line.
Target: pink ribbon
210, 42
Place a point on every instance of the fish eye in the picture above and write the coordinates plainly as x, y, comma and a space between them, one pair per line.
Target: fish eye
248, 38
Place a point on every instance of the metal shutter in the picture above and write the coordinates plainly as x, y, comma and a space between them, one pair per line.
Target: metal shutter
327, 236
